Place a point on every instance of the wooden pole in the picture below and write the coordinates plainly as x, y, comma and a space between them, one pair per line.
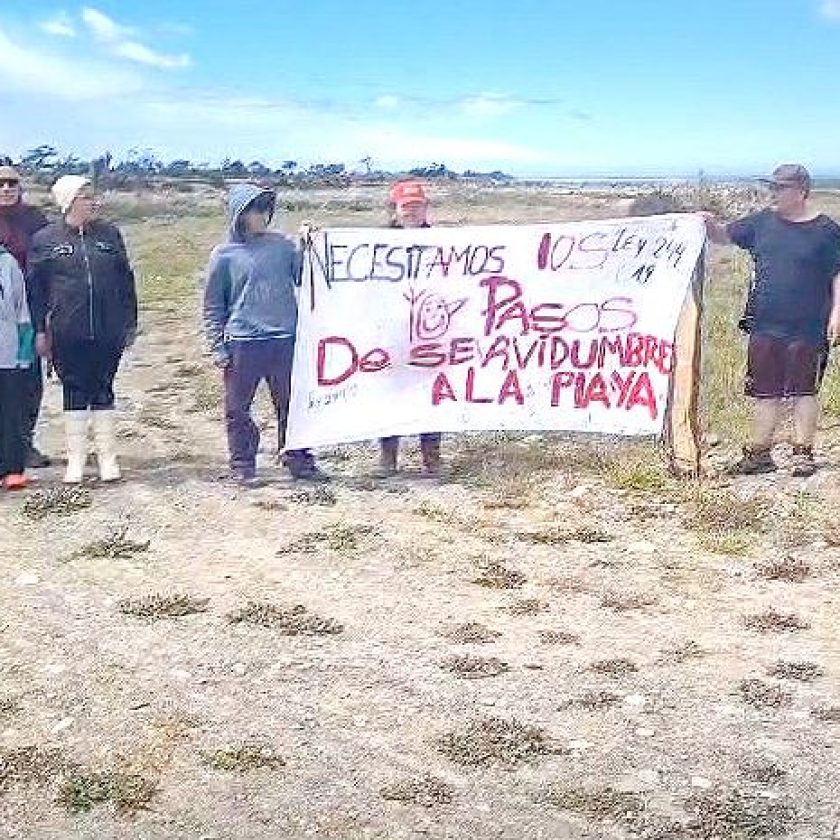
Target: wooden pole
682, 425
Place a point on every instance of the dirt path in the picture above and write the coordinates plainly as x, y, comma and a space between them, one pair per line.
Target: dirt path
631, 681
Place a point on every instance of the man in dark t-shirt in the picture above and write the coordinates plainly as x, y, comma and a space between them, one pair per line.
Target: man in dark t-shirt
794, 313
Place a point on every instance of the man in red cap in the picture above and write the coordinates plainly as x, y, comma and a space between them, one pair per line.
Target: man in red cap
410, 209
793, 313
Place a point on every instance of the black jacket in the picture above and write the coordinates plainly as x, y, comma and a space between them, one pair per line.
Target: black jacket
81, 284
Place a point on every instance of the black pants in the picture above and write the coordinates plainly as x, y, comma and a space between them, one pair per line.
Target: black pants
12, 412
33, 394
87, 370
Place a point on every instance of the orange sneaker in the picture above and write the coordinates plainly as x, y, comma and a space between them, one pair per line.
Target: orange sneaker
16, 481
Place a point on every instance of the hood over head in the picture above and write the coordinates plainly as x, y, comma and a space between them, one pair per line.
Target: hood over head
239, 199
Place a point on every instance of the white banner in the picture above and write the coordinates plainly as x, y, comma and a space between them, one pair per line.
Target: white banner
562, 326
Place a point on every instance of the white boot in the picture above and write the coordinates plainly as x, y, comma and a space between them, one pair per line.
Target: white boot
105, 438
76, 431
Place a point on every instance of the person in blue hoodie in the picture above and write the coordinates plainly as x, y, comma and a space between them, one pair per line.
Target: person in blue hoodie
250, 318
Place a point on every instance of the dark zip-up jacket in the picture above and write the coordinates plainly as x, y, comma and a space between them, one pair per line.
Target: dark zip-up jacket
81, 284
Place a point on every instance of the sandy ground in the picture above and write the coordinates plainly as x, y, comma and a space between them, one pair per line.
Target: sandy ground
640, 698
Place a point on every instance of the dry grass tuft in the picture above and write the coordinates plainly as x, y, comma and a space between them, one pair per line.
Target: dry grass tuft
559, 637
728, 543
799, 671
561, 536
336, 537
720, 511
475, 667
129, 792
792, 569
496, 741
30, 765
291, 621
244, 758
764, 695
762, 772
9, 706
158, 606
625, 602
426, 791
526, 606
684, 652
116, 546
436, 513
591, 701
470, 633
639, 476
740, 816
319, 496
771, 621
57, 501
495, 575
826, 714
604, 804
614, 667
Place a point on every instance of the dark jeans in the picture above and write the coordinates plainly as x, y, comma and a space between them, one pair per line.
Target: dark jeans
12, 432
87, 370
34, 393
251, 362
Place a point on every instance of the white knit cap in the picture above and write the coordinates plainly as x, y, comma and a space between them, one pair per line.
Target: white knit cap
66, 188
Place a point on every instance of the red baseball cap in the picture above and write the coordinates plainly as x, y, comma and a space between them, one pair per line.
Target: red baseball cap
408, 192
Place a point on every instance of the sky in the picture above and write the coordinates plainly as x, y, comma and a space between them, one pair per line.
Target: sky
533, 87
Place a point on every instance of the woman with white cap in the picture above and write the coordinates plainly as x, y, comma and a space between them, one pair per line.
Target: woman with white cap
84, 306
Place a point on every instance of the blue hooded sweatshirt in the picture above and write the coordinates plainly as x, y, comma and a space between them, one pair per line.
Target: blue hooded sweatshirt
251, 282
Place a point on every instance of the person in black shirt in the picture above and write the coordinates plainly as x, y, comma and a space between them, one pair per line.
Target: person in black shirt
794, 311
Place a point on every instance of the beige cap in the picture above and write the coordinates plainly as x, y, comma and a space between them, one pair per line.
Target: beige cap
66, 188
9, 173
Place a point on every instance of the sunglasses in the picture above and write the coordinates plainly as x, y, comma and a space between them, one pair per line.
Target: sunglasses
781, 187
9, 182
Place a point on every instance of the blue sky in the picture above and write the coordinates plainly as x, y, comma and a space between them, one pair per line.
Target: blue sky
533, 87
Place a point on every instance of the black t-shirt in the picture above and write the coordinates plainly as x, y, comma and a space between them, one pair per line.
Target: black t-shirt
795, 266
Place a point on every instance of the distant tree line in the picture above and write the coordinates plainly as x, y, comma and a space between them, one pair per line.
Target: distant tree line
142, 168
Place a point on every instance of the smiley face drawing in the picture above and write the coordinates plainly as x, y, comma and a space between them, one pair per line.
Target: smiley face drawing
431, 314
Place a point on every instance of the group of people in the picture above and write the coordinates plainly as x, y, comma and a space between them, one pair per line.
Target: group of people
67, 296
68, 301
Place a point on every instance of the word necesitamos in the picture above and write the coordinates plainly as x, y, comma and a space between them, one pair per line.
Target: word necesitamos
385, 261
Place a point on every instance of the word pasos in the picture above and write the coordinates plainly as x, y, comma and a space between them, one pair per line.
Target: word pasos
394, 263
572, 252
506, 305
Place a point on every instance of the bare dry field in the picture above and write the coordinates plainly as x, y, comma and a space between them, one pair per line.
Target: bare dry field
558, 640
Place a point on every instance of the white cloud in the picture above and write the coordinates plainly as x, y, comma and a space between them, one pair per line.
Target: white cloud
121, 42
488, 105
830, 9
26, 70
134, 51
102, 27
60, 25
387, 102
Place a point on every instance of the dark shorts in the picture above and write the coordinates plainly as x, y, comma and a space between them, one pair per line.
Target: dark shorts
784, 367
